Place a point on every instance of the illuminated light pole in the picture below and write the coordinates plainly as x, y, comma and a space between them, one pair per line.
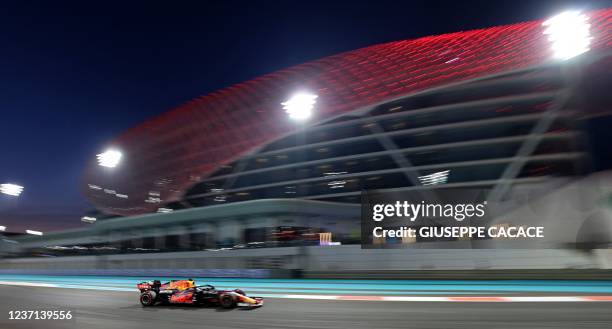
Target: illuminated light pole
11, 189
300, 106
34, 232
569, 34
110, 158
2, 228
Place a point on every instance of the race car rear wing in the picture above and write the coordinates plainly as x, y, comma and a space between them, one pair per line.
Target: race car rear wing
149, 285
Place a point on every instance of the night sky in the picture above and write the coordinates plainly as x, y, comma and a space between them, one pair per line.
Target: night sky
73, 75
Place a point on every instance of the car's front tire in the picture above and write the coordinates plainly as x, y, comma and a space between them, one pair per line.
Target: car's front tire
147, 298
227, 301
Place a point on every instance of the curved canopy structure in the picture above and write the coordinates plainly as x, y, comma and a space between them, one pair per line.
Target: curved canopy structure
162, 158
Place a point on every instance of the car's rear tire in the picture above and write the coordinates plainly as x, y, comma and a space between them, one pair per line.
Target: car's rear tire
147, 298
227, 301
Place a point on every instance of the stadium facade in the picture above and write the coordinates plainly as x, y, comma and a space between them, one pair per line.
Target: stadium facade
486, 108
376, 105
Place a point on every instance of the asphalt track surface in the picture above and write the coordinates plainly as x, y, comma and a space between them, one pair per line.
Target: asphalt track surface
120, 309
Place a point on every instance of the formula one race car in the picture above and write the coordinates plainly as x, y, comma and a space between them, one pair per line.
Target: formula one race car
186, 292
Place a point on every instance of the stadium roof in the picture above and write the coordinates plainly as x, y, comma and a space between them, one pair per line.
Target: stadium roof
169, 153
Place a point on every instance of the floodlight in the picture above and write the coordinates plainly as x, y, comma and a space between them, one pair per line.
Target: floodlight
300, 106
110, 158
569, 34
11, 189
88, 219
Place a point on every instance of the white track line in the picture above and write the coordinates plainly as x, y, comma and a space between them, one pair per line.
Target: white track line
494, 299
28, 284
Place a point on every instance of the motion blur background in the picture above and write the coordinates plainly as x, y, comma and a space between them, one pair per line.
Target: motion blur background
264, 178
